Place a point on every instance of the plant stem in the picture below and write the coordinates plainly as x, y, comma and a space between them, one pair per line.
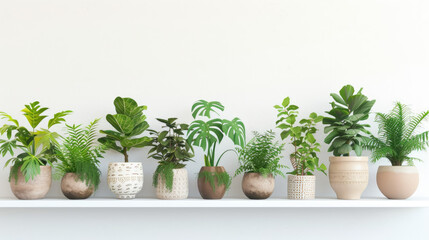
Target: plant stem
125, 154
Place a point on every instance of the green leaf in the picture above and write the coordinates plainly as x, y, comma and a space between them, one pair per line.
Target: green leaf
344, 149
45, 138
205, 108
122, 123
128, 107
136, 142
33, 113
356, 101
365, 108
338, 99
58, 118
235, 130
9, 118
346, 92
286, 102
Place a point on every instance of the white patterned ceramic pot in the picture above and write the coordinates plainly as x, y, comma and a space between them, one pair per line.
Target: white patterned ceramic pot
348, 176
301, 187
180, 188
125, 179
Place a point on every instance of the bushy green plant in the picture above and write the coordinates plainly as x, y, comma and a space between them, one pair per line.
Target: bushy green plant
37, 145
398, 136
78, 154
304, 158
129, 122
344, 127
171, 150
261, 155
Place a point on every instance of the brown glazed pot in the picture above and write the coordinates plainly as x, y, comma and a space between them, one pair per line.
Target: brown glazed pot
397, 182
256, 186
74, 188
205, 188
348, 176
36, 188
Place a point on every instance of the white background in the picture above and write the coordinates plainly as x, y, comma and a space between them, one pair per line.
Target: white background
247, 54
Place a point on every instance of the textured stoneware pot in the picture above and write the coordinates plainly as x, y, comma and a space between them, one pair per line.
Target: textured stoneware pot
301, 187
125, 179
256, 186
180, 188
204, 187
36, 188
74, 188
397, 182
348, 176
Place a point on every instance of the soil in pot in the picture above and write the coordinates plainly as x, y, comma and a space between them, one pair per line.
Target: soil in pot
36, 188
256, 186
180, 188
74, 188
204, 186
397, 182
125, 179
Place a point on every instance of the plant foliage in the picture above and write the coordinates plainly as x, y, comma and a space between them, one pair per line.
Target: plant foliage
37, 145
304, 158
397, 136
129, 122
221, 178
344, 128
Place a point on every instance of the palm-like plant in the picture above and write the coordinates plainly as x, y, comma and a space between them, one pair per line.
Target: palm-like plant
397, 136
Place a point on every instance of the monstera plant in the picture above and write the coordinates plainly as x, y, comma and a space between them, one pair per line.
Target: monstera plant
207, 132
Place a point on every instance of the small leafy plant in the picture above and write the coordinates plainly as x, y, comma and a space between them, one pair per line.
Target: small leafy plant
171, 150
304, 158
129, 122
397, 136
344, 127
261, 155
37, 145
78, 154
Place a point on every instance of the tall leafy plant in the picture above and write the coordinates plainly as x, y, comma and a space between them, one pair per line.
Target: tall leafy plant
304, 158
37, 145
344, 123
79, 154
129, 123
171, 150
398, 136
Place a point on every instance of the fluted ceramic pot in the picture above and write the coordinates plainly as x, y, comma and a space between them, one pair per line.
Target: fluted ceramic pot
348, 176
204, 187
36, 188
301, 187
180, 188
397, 182
125, 179
74, 188
256, 186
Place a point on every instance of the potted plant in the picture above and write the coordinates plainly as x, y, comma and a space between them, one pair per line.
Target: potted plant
348, 175
259, 161
398, 138
213, 180
125, 179
172, 151
78, 161
30, 172
304, 159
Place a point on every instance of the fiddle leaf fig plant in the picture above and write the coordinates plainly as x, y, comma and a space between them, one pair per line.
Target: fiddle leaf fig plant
37, 145
129, 123
304, 158
344, 123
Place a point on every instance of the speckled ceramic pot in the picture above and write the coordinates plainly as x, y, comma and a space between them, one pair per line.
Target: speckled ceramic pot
397, 182
180, 188
36, 188
256, 186
204, 187
74, 188
301, 187
125, 179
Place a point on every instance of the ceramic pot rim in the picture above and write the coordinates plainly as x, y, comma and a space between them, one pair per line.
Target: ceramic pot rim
348, 159
126, 163
403, 169
302, 176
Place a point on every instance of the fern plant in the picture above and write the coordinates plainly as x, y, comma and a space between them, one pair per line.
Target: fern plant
37, 146
171, 150
78, 154
261, 155
398, 136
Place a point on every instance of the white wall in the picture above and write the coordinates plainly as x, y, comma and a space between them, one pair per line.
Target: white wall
249, 55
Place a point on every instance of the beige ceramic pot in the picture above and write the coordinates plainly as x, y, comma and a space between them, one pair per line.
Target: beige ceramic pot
397, 182
125, 179
36, 188
301, 187
256, 186
74, 188
348, 176
180, 188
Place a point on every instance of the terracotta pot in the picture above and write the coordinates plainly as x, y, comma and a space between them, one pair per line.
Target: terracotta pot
301, 187
36, 188
256, 186
180, 188
397, 182
348, 176
74, 188
204, 187
125, 179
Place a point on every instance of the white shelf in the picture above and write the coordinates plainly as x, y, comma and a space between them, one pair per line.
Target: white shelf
224, 203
